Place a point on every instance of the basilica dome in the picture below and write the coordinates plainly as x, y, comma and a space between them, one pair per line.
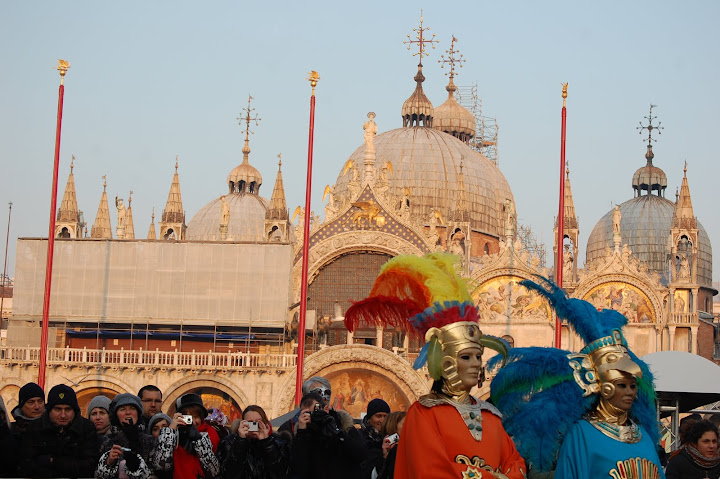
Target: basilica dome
246, 222
428, 162
645, 227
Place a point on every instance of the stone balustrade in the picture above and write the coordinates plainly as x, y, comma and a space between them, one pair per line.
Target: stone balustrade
684, 318
134, 359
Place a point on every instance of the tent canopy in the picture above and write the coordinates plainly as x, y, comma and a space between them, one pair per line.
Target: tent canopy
689, 378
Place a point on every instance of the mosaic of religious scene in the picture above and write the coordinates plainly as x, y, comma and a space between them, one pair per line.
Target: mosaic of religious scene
625, 298
680, 302
353, 390
215, 399
502, 298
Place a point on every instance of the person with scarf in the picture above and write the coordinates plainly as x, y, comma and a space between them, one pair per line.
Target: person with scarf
370, 429
254, 451
584, 415
699, 457
194, 457
447, 433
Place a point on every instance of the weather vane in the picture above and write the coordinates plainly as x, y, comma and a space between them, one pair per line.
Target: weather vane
62, 68
420, 40
650, 126
247, 118
451, 59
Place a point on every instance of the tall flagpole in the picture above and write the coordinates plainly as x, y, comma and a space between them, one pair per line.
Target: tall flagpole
561, 215
4, 278
314, 77
62, 68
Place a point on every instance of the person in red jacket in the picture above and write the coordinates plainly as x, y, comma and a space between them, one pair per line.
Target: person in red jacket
197, 442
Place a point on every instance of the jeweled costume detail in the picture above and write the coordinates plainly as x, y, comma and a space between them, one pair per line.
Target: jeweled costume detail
447, 433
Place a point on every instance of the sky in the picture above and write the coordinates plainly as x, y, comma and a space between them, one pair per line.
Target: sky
152, 80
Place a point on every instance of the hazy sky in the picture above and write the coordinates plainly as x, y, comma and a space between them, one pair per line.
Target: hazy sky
151, 80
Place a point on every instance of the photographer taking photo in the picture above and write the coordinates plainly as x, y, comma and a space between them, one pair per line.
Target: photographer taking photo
326, 444
255, 451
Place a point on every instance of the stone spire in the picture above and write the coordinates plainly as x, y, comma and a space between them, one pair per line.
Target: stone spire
101, 228
571, 231
276, 217
683, 206
151, 233
129, 226
68, 215
172, 224
418, 110
278, 206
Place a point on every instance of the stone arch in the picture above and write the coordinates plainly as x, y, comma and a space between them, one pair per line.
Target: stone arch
340, 358
185, 385
328, 250
586, 286
10, 390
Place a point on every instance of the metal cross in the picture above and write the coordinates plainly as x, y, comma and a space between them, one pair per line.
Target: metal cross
451, 59
650, 126
420, 40
247, 118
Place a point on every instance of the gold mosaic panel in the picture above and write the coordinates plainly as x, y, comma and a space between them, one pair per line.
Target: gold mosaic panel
353, 389
624, 298
503, 299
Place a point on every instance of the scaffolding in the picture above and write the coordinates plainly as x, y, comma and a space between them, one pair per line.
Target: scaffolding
531, 245
486, 128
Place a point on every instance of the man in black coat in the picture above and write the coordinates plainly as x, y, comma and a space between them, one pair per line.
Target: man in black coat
61, 443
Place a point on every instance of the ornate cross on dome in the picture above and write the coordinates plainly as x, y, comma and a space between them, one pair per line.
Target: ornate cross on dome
451, 59
650, 127
420, 40
247, 118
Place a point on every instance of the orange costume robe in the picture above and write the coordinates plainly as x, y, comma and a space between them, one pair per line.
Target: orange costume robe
436, 443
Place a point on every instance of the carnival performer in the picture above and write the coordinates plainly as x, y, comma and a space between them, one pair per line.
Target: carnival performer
585, 415
447, 433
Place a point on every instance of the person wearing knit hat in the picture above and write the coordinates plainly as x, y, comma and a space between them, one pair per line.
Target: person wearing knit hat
99, 414
377, 411
157, 422
31, 405
61, 443
124, 407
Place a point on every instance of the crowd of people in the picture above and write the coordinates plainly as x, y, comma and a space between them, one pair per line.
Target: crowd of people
128, 436
552, 413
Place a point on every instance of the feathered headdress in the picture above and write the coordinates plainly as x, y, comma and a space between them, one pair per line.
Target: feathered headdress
542, 392
421, 295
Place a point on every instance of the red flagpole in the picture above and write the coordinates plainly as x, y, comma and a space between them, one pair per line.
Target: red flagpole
62, 68
314, 77
561, 216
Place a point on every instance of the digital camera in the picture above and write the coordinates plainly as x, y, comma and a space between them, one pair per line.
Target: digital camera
253, 426
187, 419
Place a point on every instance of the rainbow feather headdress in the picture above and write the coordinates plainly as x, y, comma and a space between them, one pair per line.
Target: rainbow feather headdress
424, 296
542, 392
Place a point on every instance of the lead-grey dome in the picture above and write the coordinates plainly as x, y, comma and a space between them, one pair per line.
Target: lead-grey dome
247, 219
427, 162
645, 228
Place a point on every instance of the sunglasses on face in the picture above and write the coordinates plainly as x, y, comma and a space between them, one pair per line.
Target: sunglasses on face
322, 391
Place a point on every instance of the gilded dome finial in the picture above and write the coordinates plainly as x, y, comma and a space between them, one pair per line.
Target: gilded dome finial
420, 40
247, 119
279, 161
417, 110
104, 177
452, 60
650, 127
176, 163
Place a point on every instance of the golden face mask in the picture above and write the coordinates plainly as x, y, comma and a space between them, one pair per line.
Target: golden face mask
601, 362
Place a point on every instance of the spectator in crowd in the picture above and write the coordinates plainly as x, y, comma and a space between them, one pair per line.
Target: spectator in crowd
157, 422
254, 451
316, 384
126, 450
393, 425
31, 405
698, 458
195, 455
61, 443
8, 445
326, 443
377, 411
151, 398
99, 414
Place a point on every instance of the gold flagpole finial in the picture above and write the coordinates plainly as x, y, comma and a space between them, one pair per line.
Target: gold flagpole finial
313, 78
564, 93
62, 68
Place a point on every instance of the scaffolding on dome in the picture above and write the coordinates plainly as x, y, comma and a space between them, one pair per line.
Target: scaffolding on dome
486, 128
530, 243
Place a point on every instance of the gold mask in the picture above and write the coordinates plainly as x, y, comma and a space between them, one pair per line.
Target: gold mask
454, 338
